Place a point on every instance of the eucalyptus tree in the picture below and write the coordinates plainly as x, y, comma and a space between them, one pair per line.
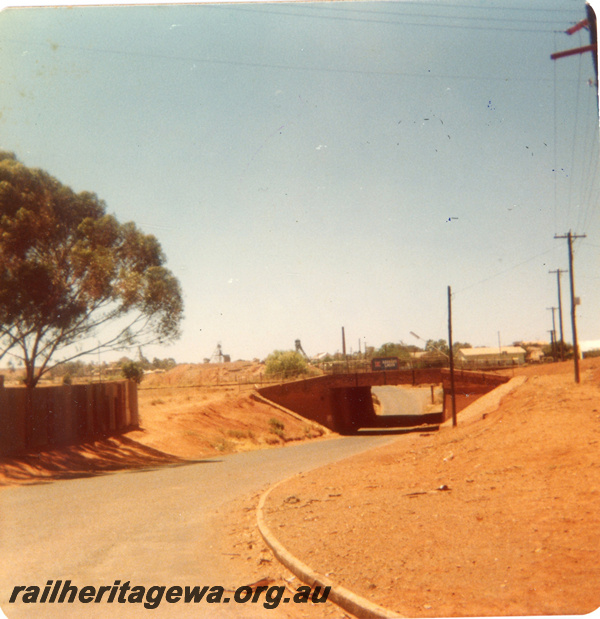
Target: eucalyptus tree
73, 280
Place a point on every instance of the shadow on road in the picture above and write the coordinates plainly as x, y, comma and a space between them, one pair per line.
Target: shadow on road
391, 431
87, 460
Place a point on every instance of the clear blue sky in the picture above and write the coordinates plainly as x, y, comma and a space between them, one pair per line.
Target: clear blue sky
312, 166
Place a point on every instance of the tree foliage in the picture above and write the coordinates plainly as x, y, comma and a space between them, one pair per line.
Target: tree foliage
75, 369
163, 364
561, 349
441, 346
285, 363
400, 350
132, 370
72, 278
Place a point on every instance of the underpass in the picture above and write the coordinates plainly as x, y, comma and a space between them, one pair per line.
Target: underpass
344, 402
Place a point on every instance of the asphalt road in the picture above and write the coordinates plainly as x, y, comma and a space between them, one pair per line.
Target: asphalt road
150, 527
400, 401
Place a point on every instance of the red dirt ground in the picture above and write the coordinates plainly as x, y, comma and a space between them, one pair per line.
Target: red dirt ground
499, 517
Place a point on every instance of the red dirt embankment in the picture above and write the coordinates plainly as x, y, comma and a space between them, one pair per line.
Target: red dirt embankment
499, 517
190, 412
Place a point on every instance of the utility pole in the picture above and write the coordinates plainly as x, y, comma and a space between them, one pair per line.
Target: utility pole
552, 341
560, 314
344, 350
570, 236
590, 24
553, 332
451, 355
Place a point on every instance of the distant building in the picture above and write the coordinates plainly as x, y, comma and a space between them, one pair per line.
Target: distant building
534, 355
589, 345
534, 350
491, 357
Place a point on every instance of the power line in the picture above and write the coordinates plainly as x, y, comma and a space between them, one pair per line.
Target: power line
591, 196
578, 90
536, 30
283, 67
588, 179
555, 143
486, 7
516, 266
585, 173
437, 15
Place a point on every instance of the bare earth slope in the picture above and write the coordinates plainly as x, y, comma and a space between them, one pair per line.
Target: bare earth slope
500, 517
190, 412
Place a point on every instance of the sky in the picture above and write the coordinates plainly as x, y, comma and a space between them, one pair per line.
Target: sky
312, 166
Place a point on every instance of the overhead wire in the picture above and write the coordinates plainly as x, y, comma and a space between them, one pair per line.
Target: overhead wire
485, 6
285, 67
555, 145
574, 140
583, 165
315, 11
504, 271
588, 169
592, 197
274, 11
320, 7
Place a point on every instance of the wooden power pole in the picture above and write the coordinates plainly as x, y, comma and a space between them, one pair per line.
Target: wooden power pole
553, 332
560, 314
570, 236
451, 356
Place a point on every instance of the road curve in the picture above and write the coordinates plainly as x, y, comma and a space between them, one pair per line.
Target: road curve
150, 527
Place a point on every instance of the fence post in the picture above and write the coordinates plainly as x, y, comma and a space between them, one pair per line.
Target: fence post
132, 400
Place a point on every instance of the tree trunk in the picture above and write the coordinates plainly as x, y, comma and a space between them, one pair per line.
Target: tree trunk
30, 383
29, 417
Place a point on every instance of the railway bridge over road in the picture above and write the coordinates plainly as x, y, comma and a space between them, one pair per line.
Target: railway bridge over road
344, 403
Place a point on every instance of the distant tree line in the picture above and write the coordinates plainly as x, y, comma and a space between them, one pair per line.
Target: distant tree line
406, 351
125, 367
285, 364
